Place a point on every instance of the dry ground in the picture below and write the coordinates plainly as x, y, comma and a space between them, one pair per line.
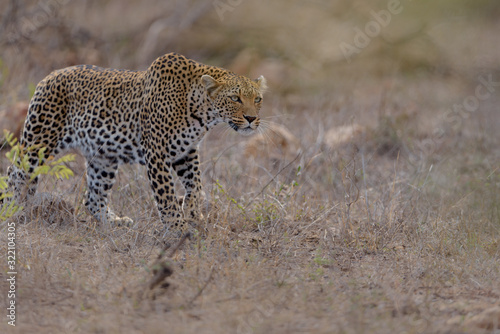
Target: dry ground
362, 208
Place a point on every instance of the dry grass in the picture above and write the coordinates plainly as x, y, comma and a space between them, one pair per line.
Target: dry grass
316, 229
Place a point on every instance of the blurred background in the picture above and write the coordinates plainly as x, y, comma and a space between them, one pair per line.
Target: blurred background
396, 79
299, 45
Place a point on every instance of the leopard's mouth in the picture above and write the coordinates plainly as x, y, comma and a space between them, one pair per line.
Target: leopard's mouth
248, 130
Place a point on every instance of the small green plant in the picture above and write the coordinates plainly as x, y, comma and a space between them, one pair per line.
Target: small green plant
229, 198
265, 211
8, 208
18, 157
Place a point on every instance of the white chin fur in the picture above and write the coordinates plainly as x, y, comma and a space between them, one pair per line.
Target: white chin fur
246, 131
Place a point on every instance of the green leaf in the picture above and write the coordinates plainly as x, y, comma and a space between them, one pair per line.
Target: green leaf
5, 195
8, 210
40, 170
41, 154
9, 137
3, 182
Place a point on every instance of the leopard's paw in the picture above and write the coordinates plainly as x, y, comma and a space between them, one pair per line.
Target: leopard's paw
120, 221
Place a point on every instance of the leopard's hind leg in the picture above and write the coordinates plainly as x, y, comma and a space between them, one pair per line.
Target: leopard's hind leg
43, 128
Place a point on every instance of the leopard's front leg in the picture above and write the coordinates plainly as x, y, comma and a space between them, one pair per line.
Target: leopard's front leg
162, 183
188, 171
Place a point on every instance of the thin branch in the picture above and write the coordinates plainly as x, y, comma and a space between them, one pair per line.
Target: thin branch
162, 269
272, 179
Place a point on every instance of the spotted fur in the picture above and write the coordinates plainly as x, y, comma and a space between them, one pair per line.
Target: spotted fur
155, 117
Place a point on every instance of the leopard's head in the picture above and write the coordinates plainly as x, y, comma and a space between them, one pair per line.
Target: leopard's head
236, 100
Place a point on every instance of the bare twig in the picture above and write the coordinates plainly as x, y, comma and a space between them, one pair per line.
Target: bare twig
163, 269
364, 183
272, 179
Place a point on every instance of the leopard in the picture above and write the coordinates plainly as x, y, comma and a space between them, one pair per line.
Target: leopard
156, 117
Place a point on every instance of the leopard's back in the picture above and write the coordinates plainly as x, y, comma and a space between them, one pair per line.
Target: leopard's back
90, 108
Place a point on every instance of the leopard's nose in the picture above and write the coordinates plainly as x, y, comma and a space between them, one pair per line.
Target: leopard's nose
250, 119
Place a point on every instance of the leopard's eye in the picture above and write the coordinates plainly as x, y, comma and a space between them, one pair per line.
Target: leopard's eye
235, 98
258, 99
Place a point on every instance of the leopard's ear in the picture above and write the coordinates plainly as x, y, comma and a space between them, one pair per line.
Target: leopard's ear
262, 82
211, 85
